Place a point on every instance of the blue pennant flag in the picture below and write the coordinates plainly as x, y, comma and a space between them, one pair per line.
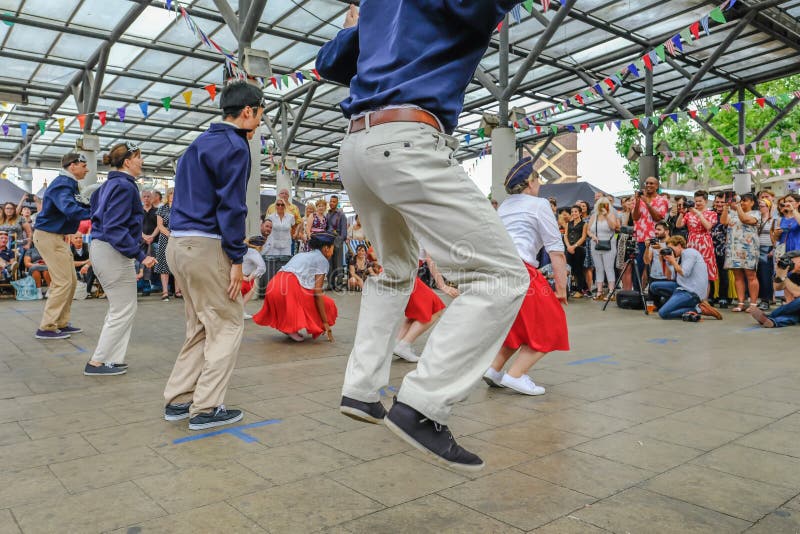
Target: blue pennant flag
676, 40
598, 89
633, 70
143, 106
467, 138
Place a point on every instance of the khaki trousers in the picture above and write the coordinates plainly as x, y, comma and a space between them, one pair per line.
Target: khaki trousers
405, 184
214, 323
117, 275
57, 255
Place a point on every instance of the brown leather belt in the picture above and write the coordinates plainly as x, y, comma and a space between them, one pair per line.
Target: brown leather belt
394, 115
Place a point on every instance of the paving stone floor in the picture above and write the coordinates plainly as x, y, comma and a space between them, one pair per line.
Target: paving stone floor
647, 426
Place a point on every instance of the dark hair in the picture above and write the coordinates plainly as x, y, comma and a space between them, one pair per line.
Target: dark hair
575, 207
360, 246
118, 154
701, 193
750, 196
72, 157
664, 225
317, 242
238, 95
561, 210
335, 196
679, 197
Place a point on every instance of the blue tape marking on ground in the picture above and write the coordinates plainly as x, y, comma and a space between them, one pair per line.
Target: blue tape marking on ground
599, 359
751, 328
382, 392
662, 340
237, 431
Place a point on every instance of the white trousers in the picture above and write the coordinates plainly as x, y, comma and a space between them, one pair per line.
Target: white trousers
405, 185
604, 263
116, 274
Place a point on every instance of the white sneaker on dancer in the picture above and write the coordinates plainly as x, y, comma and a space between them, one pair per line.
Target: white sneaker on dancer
405, 351
523, 385
295, 336
247, 316
493, 378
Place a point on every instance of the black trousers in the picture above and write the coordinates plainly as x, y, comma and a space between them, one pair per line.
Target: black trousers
575, 262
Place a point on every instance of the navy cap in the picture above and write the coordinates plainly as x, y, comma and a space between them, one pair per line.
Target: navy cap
519, 173
324, 238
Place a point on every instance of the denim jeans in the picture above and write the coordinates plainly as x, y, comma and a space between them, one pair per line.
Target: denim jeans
680, 300
786, 315
660, 291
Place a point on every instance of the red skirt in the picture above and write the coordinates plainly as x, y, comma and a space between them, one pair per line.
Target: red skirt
246, 287
423, 303
541, 323
289, 307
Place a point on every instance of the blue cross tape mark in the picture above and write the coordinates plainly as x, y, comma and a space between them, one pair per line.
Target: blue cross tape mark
751, 328
662, 340
237, 431
383, 392
598, 359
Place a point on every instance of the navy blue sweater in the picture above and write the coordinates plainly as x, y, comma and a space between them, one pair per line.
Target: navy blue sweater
421, 52
61, 211
117, 215
211, 187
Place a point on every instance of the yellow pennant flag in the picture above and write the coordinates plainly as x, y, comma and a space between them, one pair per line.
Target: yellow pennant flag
187, 96
61, 124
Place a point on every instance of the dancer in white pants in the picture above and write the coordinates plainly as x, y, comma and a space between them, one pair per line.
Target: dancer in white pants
408, 65
117, 217
602, 227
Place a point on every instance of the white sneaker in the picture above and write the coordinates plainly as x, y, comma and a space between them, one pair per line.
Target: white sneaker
523, 385
493, 378
247, 316
294, 336
406, 352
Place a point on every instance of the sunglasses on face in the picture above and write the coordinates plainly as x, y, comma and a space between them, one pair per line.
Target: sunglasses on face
281, 205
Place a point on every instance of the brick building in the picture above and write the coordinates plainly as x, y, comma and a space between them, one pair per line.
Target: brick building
559, 161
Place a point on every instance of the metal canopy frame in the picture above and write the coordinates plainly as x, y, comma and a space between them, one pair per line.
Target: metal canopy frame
533, 64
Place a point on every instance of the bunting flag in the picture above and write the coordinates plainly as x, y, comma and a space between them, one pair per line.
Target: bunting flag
144, 106
166, 102
60, 124
82, 121
187, 97
212, 91
5, 130
121, 114
42, 126
23, 126
102, 116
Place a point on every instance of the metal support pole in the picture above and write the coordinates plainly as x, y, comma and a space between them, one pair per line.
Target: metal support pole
741, 125
90, 106
504, 151
503, 56
648, 162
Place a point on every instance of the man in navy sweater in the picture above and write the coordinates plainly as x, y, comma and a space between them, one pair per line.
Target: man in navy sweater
62, 211
206, 248
408, 64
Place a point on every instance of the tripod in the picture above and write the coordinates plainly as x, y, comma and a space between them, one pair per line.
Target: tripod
630, 261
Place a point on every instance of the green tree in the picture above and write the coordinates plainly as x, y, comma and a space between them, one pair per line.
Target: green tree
686, 135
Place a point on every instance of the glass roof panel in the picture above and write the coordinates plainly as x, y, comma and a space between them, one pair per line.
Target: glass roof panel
151, 23
100, 14
30, 39
75, 47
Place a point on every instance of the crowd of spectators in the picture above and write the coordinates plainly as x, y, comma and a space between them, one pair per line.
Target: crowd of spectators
738, 239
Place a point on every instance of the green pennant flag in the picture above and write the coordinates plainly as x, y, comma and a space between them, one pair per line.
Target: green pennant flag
601, 126
42, 125
560, 108
660, 52
783, 100
639, 65
528, 5
555, 129
167, 101
481, 133
717, 16
686, 36
9, 23
714, 109
285, 79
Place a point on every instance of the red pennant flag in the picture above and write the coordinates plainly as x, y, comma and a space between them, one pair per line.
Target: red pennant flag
538, 129
315, 73
500, 25
635, 123
579, 98
695, 29
584, 127
212, 91
82, 120
610, 83
102, 116
274, 82
516, 125
647, 62
693, 113
761, 101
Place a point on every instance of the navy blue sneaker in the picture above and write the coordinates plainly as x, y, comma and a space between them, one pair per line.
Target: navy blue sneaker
69, 329
176, 412
220, 416
51, 334
107, 369
366, 412
430, 437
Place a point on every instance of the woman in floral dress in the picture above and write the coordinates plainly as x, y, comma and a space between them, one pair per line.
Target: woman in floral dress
741, 253
699, 221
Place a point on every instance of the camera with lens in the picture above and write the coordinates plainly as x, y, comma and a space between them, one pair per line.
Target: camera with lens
785, 261
667, 252
639, 192
688, 204
627, 230
653, 241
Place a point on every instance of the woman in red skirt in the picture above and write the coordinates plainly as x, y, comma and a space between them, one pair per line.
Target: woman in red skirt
295, 300
423, 310
541, 324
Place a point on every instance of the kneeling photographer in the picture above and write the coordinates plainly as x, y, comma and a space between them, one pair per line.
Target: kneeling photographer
787, 278
684, 300
659, 269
